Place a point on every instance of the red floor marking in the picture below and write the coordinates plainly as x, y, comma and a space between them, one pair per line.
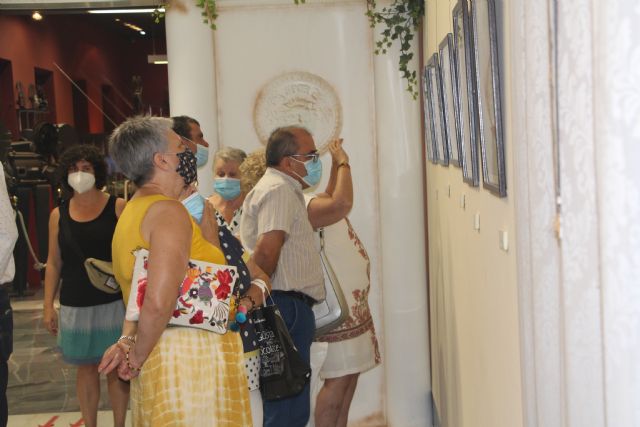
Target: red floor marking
49, 423
78, 423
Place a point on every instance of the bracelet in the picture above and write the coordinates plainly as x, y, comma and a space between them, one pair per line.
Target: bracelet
343, 164
131, 368
130, 338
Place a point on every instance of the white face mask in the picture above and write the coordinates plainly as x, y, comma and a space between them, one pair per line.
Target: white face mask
81, 181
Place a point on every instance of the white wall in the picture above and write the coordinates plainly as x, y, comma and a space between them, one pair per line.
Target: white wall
473, 283
313, 38
258, 40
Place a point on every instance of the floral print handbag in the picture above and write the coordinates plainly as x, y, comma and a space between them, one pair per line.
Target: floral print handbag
203, 299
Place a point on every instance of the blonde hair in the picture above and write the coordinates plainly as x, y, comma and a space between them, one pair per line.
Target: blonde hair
252, 169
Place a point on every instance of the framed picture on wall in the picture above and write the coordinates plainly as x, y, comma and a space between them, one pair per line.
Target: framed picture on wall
427, 116
485, 48
465, 86
439, 126
447, 71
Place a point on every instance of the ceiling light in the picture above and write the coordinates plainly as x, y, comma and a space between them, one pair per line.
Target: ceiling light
142, 33
118, 11
157, 59
37, 16
133, 27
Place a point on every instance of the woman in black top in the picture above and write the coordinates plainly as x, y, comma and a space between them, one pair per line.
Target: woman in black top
90, 320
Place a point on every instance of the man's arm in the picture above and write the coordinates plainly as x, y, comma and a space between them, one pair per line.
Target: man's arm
267, 250
335, 203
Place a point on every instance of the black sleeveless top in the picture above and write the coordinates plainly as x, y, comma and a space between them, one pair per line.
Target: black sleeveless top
94, 239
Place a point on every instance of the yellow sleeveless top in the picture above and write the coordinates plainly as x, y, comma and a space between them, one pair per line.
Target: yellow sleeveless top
127, 238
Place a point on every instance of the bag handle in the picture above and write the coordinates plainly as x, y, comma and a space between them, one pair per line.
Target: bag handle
263, 287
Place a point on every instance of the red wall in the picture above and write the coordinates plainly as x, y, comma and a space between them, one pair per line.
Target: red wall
84, 51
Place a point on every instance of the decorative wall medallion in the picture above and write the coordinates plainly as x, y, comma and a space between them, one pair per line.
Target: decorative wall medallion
298, 98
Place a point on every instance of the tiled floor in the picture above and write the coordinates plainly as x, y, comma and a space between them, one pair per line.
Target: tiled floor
41, 389
60, 419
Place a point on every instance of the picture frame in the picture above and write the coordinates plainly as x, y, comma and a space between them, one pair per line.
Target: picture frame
465, 86
487, 75
427, 115
447, 71
439, 126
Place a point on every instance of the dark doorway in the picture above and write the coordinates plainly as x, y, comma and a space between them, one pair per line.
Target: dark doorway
46, 94
7, 105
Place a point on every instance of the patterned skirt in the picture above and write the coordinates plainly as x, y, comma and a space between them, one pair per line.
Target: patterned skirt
351, 356
192, 378
86, 332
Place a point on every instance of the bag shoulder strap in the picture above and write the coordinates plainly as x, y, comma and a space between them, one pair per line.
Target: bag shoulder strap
63, 225
321, 234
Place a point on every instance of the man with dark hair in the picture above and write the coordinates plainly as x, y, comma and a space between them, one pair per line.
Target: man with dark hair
8, 237
275, 226
189, 130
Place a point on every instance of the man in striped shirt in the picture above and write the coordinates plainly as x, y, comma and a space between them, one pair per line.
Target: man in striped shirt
275, 227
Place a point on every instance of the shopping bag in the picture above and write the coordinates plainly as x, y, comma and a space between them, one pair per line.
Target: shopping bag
283, 372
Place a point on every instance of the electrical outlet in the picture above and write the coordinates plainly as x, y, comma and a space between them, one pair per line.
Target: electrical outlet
503, 237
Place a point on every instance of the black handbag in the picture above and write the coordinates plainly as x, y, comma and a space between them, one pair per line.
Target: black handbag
283, 372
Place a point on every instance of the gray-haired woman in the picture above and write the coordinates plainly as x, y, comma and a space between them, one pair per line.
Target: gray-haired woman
180, 376
228, 196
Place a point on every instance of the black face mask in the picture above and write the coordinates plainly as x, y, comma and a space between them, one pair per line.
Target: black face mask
188, 167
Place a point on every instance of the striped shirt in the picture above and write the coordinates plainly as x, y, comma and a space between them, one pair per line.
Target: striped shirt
276, 203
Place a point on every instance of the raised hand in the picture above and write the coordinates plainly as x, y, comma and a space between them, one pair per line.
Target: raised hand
338, 155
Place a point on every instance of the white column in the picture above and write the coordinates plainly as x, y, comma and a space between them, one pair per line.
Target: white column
192, 86
402, 235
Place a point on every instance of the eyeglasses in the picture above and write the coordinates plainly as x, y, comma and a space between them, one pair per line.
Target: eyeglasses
314, 156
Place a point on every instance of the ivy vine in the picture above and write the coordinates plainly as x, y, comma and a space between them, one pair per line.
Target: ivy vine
209, 12
402, 20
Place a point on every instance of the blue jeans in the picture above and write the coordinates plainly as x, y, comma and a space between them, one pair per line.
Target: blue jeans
301, 323
6, 348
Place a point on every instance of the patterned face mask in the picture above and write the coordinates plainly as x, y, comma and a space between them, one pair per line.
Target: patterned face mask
188, 167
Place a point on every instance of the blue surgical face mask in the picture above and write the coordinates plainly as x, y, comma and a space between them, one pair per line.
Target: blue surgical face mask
314, 171
202, 155
195, 205
228, 188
